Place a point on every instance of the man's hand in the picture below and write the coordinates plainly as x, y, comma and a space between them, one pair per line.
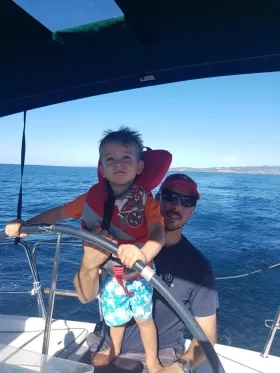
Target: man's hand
172, 368
94, 257
13, 227
129, 254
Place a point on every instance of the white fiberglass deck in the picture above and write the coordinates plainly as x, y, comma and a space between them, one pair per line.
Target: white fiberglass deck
67, 338
238, 360
13, 360
68, 341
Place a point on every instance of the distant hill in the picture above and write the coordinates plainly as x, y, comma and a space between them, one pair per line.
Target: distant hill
263, 170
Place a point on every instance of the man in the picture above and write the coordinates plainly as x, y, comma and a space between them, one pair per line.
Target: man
183, 268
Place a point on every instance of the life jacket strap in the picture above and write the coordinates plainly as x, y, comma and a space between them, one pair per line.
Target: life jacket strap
119, 272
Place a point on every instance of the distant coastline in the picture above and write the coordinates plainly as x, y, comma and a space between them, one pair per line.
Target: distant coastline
255, 170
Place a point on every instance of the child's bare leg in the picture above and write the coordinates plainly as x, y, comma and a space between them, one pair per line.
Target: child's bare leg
105, 357
117, 334
149, 338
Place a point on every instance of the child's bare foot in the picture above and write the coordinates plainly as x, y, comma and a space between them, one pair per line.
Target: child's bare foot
102, 358
154, 366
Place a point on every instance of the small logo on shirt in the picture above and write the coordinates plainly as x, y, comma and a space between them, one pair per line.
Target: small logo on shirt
131, 207
168, 279
135, 219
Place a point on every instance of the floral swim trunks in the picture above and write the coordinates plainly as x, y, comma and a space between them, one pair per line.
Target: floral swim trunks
118, 308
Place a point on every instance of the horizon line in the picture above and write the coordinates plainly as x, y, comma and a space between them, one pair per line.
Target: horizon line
171, 168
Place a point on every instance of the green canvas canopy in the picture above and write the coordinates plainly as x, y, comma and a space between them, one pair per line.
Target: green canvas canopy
153, 42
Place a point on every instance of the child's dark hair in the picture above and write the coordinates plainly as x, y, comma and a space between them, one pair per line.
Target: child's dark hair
124, 136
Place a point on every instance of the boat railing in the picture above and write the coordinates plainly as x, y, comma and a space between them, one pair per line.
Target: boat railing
37, 289
274, 325
30, 251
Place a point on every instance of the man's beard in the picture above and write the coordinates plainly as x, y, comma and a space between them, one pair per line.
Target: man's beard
173, 228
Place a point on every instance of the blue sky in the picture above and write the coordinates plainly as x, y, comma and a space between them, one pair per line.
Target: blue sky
227, 121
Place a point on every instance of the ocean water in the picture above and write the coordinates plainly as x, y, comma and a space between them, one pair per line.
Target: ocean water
236, 225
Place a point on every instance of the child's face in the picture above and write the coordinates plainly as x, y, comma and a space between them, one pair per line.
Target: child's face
119, 163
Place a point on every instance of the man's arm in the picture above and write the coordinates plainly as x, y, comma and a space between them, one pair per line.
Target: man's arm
86, 281
194, 354
204, 304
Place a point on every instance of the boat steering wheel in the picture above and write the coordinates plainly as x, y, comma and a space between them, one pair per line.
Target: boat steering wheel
146, 272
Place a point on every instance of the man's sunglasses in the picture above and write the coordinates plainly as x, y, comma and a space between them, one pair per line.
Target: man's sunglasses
170, 196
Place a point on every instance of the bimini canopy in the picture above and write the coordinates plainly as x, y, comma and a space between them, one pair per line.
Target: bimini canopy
154, 42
